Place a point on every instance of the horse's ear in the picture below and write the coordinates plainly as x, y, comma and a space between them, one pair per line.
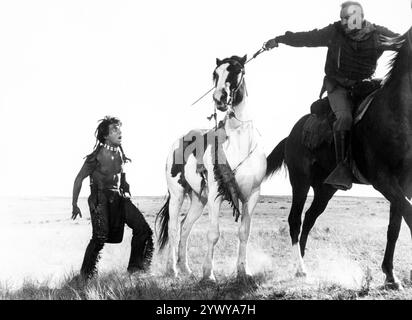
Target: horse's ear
243, 60
218, 61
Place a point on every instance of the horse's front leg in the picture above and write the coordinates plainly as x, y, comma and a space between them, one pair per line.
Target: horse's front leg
213, 232
244, 231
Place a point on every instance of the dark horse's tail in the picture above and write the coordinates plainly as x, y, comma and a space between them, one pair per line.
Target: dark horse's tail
163, 216
276, 159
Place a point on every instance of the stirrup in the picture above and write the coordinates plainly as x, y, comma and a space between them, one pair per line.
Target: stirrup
340, 178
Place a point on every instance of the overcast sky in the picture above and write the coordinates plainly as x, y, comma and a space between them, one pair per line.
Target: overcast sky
66, 64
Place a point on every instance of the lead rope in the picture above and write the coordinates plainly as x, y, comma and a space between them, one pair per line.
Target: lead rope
263, 49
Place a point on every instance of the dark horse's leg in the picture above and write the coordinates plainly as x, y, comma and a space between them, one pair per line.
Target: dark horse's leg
300, 187
394, 227
322, 194
389, 186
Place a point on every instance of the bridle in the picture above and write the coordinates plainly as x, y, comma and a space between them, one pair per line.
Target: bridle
240, 82
230, 111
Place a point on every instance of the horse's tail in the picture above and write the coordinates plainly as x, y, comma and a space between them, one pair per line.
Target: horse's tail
163, 216
276, 158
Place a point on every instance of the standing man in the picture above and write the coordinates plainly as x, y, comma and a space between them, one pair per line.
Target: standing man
109, 201
354, 47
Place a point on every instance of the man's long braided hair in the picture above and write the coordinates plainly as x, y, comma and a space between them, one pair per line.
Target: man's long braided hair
101, 132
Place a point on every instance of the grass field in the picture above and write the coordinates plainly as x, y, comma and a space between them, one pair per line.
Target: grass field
41, 250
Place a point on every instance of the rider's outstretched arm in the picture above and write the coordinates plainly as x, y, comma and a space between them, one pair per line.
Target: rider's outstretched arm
314, 38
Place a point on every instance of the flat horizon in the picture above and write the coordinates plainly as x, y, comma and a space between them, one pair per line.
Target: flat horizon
164, 195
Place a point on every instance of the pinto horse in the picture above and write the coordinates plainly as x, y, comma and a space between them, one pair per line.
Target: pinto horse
381, 149
245, 162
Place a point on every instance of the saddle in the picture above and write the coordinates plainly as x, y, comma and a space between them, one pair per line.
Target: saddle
318, 126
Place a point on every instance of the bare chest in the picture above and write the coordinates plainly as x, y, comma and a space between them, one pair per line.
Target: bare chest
110, 163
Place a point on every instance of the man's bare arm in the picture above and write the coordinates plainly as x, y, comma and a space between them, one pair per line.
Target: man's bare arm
84, 172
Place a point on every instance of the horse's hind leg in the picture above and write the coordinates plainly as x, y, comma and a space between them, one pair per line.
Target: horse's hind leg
300, 188
244, 231
322, 195
195, 211
395, 221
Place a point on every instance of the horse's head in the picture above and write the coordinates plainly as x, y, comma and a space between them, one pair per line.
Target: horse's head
228, 79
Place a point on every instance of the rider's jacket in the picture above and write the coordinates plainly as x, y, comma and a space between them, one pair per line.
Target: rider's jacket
347, 57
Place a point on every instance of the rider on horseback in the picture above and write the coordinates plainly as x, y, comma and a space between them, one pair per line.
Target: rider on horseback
354, 46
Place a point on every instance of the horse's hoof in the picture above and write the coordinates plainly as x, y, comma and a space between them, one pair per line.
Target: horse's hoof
207, 282
244, 275
208, 279
243, 272
185, 271
395, 285
245, 278
78, 281
171, 273
137, 270
301, 274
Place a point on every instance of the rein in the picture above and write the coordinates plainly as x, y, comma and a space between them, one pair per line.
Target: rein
241, 162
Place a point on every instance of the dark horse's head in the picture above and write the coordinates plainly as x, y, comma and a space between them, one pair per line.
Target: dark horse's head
229, 82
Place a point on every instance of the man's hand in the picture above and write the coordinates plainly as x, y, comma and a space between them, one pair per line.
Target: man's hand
125, 187
272, 43
76, 212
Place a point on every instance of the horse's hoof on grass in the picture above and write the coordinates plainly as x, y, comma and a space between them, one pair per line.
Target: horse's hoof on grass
246, 279
397, 286
171, 273
208, 280
186, 274
301, 274
137, 270
185, 271
78, 281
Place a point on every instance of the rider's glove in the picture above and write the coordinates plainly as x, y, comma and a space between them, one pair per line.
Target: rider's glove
272, 43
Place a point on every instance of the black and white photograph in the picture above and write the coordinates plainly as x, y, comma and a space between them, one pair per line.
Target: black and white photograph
225, 152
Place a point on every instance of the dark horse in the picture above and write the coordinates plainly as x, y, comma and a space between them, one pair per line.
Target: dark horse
381, 148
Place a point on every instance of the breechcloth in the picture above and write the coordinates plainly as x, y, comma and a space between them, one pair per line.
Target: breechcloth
341, 104
109, 211
107, 215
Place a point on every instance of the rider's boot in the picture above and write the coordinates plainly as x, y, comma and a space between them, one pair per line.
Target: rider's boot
341, 177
